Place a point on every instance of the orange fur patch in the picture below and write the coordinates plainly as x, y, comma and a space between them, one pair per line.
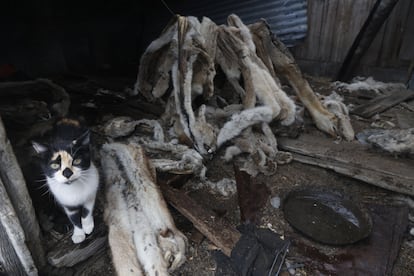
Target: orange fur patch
67, 121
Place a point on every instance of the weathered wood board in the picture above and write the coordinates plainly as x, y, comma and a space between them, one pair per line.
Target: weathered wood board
382, 103
68, 254
15, 185
15, 257
354, 160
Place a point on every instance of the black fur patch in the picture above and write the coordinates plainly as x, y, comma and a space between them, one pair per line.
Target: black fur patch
85, 212
73, 208
75, 218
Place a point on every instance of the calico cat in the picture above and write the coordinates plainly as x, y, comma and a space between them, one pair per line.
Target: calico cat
71, 176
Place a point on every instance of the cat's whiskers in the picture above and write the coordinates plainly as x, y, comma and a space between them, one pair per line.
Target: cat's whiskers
82, 180
42, 186
45, 193
41, 179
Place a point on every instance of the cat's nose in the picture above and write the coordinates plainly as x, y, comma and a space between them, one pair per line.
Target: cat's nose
67, 173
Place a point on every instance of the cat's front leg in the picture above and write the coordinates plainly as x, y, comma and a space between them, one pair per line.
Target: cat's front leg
74, 215
87, 216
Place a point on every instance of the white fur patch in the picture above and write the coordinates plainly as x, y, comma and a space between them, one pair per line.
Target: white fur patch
159, 246
243, 120
78, 192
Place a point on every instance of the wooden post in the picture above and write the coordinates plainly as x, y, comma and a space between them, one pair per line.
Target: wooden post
366, 35
15, 188
15, 257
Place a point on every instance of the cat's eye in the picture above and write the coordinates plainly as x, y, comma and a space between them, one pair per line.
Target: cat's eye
55, 166
77, 161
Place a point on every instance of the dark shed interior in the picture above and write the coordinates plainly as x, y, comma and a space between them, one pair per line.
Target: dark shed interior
93, 49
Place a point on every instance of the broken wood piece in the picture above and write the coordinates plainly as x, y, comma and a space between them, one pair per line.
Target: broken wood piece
382, 103
217, 230
15, 185
353, 160
251, 195
68, 254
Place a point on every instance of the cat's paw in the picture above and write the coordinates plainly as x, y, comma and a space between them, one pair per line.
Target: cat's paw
78, 237
88, 225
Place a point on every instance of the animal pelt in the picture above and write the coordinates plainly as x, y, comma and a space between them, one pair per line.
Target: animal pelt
285, 65
166, 154
189, 52
156, 246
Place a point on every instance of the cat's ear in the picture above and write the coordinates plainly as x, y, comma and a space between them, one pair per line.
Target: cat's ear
39, 148
83, 140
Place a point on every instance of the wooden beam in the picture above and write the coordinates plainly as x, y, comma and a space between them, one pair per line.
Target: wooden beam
15, 186
366, 35
217, 230
353, 160
15, 257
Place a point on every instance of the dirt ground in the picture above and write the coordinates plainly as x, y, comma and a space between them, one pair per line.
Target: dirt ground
308, 257
292, 177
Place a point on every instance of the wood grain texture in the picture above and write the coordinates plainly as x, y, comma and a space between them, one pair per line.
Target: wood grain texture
334, 24
382, 103
354, 160
15, 185
15, 258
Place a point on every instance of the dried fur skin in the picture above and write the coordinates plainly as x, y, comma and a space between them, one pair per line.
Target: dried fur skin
248, 55
242, 120
334, 104
145, 80
201, 133
166, 156
284, 64
119, 234
159, 245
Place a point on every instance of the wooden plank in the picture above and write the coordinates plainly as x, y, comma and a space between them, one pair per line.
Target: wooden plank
394, 34
67, 254
15, 185
9, 261
217, 230
382, 103
332, 27
15, 257
406, 51
354, 160
364, 39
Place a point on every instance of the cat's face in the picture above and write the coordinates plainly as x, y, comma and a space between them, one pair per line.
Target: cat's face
65, 161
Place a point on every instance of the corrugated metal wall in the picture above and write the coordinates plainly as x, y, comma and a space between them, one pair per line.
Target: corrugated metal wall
333, 26
287, 18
